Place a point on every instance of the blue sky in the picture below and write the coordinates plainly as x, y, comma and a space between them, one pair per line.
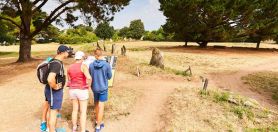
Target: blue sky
146, 10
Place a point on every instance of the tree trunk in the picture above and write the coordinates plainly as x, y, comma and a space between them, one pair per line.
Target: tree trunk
25, 33
258, 44
203, 44
157, 58
185, 44
25, 48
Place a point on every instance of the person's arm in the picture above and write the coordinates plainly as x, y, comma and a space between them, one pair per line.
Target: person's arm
52, 81
109, 72
85, 70
68, 75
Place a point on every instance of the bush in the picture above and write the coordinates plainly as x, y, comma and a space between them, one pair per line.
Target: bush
74, 36
116, 37
157, 35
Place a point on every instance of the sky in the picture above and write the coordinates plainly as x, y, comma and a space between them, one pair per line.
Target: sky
146, 10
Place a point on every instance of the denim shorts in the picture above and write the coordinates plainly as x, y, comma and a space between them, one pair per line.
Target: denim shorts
55, 101
101, 96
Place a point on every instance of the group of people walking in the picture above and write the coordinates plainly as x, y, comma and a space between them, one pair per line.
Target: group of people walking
82, 75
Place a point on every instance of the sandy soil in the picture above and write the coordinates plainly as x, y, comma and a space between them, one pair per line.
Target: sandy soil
233, 82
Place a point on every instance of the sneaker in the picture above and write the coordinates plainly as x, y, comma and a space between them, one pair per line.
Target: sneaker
97, 129
101, 125
43, 126
74, 129
60, 130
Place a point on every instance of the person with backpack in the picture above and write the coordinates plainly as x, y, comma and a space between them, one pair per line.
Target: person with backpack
78, 76
101, 72
45, 106
54, 85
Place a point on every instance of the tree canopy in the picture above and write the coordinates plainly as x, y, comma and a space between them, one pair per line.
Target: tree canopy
104, 31
21, 13
78, 34
136, 29
204, 21
124, 32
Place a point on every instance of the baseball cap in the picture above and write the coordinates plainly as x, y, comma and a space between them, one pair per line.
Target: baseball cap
62, 48
79, 55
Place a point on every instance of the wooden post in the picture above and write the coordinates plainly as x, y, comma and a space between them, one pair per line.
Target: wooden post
138, 71
190, 71
205, 84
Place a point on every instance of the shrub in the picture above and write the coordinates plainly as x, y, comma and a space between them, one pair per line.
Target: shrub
74, 36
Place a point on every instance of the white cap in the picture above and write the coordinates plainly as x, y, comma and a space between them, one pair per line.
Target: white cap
79, 55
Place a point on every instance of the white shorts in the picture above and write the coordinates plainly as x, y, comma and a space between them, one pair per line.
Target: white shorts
79, 94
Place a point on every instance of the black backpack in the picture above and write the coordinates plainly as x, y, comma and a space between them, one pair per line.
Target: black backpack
43, 70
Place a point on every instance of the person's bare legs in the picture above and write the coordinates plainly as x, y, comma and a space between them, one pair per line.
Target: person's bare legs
96, 109
44, 111
100, 113
83, 114
74, 113
52, 119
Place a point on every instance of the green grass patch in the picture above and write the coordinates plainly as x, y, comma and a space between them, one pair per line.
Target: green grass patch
270, 129
236, 104
264, 81
177, 72
8, 54
221, 97
240, 111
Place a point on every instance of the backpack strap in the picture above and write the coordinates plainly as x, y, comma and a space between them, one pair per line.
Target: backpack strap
62, 66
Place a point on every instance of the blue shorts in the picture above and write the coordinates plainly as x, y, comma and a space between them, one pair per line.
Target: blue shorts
57, 97
102, 96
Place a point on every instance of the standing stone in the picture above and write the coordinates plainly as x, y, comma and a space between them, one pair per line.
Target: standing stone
157, 58
113, 49
123, 50
104, 47
98, 46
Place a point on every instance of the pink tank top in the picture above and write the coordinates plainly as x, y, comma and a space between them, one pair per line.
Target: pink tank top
77, 77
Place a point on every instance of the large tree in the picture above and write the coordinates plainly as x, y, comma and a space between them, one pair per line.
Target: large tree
104, 31
123, 32
21, 13
136, 29
261, 22
202, 21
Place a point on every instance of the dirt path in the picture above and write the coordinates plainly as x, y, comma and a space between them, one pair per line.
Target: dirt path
20, 103
22, 98
145, 115
234, 83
